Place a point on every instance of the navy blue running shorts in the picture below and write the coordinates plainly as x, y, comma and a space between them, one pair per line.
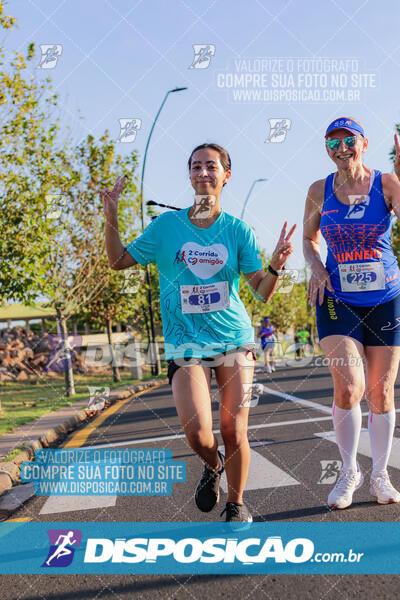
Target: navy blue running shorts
371, 325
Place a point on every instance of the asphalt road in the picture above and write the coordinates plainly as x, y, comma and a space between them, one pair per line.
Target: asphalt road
290, 434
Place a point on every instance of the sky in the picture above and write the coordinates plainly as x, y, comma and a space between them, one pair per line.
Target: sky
264, 80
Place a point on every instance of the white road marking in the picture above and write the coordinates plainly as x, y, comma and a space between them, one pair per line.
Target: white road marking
262, 474
364, 446
60, 504
260, 443
178, 436
293, 422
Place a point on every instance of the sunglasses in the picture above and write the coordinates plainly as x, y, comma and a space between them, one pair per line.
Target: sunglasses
348, 141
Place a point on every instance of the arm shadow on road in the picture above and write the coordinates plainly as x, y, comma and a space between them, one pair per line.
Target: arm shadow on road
298, 513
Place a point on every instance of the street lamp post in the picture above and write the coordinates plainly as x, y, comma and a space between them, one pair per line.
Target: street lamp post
249, 194
153, 203
154, 366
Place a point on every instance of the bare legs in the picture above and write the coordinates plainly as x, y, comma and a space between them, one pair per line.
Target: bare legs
191, 390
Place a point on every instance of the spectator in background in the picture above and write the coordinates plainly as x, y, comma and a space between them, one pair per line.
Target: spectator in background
301, 339
266, 334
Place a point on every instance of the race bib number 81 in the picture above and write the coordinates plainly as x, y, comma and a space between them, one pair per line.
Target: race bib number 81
362, 277
205, 298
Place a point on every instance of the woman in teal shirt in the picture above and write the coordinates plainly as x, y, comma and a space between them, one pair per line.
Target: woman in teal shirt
200, 252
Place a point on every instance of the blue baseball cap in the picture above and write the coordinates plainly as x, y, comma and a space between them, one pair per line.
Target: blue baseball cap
345, 123
267, 319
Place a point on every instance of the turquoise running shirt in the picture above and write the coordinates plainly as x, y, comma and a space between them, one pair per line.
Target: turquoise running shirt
199, 272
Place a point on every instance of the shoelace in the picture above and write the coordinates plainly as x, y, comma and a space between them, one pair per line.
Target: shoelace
382, 480
345, 478
207, 476
232, 509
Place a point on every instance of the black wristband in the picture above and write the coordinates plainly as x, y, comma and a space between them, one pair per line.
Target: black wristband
271, 270
276, 273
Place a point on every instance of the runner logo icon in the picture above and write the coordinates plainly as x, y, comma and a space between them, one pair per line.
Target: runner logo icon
128, 130
390, 327
330, 469
180, 257
278, 129
356, 208
50, 55
60, 552
202, 55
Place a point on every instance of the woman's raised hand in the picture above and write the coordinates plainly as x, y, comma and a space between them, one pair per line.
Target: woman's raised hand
283, 249
110, 197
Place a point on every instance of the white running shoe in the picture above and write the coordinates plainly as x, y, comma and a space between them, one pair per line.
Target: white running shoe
382, 489
348, 482
268, 369
273, 369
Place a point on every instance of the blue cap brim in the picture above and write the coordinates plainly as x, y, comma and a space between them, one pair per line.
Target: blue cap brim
345, 123
354, 131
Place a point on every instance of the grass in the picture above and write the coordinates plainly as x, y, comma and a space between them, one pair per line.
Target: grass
14, 453
25, 401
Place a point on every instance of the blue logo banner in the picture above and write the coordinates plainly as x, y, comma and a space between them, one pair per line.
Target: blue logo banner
200, 548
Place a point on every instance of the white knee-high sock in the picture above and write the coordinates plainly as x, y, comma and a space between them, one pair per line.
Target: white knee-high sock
347, 424
381, 428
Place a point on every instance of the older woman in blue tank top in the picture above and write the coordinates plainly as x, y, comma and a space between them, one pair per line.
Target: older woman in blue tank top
357, 297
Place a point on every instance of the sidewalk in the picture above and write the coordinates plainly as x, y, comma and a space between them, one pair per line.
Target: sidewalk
46, 429
29, 433
40, 434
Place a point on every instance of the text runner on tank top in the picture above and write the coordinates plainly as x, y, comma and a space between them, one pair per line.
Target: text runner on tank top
361, 264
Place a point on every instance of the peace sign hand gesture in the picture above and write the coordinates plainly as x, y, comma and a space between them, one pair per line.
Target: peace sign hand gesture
284, 248
110, 197
397, 157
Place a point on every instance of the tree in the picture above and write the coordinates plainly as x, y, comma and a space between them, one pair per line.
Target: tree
287, 308
52, 226
76, 272
115, 300
27, 139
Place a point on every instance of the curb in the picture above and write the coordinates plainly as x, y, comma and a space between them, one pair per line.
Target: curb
10, 470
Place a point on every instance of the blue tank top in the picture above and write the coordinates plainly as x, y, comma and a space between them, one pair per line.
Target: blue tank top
266, 333
358, 235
